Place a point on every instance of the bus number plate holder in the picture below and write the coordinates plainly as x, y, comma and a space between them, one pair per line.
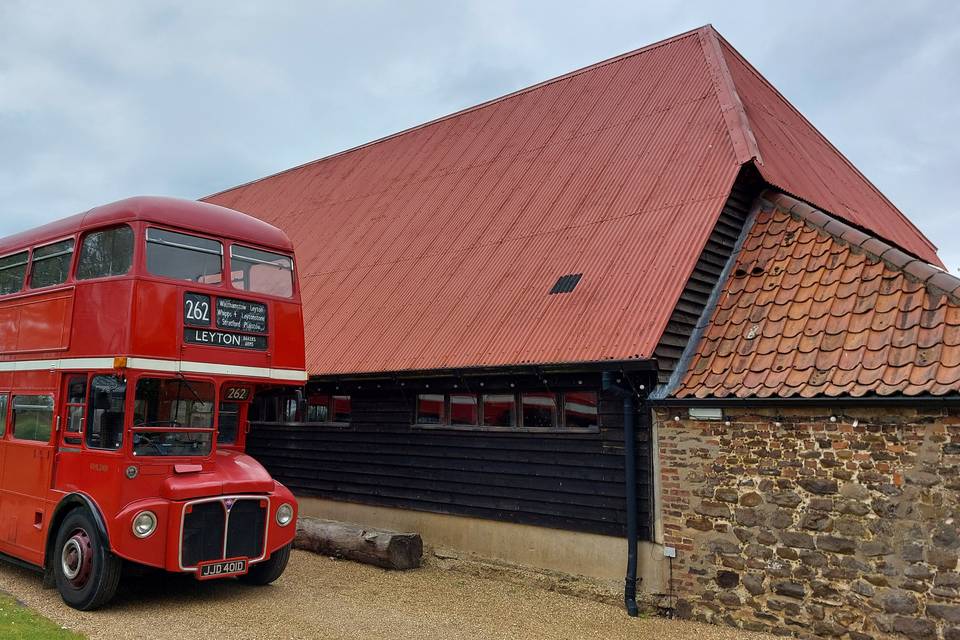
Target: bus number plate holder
222, 568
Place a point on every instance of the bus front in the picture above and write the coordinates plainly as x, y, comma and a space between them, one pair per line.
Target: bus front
215, 322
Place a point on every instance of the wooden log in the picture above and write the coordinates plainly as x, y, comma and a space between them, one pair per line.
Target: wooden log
387, 549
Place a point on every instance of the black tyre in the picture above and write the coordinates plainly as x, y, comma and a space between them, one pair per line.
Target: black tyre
85, 570
270, 569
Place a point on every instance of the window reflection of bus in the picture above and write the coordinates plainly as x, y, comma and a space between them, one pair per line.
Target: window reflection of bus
133, 339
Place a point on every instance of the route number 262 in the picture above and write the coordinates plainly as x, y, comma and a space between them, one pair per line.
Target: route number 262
237, 393
197, 310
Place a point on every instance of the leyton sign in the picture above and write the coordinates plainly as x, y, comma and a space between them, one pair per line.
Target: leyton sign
239, 324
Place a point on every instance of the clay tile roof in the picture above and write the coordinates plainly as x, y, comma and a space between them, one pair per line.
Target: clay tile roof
845, 314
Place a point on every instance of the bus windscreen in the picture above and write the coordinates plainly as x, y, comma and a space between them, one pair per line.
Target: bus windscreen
261, 271
184, 257
173, 417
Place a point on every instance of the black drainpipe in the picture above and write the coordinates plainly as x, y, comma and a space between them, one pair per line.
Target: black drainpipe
612, 384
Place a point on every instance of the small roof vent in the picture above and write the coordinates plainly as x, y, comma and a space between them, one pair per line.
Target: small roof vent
566, 284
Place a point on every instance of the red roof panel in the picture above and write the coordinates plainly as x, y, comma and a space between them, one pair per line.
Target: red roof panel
798, 159
437, 247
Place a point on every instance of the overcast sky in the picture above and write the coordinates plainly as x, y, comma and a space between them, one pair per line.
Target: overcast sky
103, 100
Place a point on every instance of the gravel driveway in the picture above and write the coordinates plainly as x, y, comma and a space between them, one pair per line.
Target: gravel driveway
322, 598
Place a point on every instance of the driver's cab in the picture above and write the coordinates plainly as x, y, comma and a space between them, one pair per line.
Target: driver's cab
180, 415
173, 415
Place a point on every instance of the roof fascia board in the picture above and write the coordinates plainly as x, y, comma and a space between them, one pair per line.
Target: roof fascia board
744, 142
625, 366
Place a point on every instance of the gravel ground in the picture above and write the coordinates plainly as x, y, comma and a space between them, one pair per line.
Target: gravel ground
323, 598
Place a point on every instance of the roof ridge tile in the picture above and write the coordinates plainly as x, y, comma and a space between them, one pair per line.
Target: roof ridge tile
895, 258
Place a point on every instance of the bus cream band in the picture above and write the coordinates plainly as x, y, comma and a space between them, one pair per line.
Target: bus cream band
153, 364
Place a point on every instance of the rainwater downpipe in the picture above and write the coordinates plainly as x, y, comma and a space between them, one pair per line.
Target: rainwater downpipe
610, 383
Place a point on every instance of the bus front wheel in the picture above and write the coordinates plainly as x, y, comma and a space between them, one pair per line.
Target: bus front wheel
86, 572
270, 569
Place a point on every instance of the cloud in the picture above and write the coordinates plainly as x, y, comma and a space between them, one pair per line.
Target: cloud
101, 100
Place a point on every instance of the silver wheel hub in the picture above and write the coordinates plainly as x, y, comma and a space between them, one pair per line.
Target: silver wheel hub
71, 558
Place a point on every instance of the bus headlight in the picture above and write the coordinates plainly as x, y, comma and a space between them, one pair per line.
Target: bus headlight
144, 524
284, 515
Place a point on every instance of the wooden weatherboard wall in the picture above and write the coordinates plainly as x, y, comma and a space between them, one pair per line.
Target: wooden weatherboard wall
706, 273
572, 481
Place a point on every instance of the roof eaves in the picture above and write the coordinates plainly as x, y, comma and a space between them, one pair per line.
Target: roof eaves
734, 115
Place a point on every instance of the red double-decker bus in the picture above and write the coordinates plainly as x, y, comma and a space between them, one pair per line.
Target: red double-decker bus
133, 339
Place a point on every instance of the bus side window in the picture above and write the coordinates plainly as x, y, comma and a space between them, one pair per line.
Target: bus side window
32, 417
3, 414
51, 264
106, 253
105, 416
13, 271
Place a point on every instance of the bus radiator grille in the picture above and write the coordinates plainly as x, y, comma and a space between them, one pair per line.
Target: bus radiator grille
245, 531
203, 533
210, 534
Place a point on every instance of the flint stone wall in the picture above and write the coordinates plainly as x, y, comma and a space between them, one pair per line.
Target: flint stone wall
788, 522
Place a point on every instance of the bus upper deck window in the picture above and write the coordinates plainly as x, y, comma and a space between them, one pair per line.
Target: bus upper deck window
184, 257
51, 264
261, 271
13, 269
106, 253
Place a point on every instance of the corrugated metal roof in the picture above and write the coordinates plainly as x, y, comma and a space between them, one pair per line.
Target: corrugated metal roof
799, 160
437, 247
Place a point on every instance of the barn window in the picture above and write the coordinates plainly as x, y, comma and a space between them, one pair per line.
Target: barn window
464, 410
324, 408
290, 408
580, 410
499, 410
539, 410
525, 411
430, 408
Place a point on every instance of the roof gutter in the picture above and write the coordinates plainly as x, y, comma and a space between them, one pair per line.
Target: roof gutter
598, 366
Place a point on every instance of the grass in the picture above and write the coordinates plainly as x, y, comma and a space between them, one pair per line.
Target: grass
20, 623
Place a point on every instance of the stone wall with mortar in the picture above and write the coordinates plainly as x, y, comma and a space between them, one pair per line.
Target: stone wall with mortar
810, 523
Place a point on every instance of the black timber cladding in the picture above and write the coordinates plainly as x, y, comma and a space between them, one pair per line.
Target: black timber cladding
572, 481
706, 273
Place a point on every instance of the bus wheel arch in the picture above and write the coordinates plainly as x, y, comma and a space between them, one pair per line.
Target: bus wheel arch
63, 508
89, 540
86, 572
